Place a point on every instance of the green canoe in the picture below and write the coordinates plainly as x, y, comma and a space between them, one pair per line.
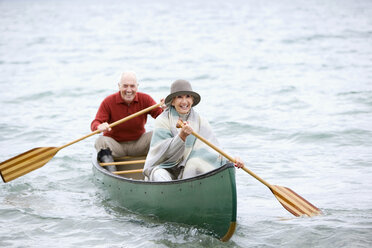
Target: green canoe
207, 201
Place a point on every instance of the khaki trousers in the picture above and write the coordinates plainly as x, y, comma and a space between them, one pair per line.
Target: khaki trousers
138, 147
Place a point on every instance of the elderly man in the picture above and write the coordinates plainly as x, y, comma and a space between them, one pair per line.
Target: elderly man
129, 138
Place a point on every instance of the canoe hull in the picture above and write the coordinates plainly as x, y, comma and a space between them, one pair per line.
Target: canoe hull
207, 201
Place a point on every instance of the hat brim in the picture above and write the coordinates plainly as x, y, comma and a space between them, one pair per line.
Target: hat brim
169, 98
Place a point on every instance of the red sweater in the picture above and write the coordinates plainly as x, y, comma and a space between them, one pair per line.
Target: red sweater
113, 108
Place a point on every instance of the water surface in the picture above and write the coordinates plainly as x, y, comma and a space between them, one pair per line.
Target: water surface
286, 86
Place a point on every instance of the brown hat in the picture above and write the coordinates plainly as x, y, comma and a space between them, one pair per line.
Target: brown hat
181, 87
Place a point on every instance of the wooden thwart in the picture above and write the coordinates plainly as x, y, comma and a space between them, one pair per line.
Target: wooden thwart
124, 162
37, 157
290, 200
128, 172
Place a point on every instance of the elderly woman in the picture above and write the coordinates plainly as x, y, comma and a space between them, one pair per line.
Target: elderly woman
174, 153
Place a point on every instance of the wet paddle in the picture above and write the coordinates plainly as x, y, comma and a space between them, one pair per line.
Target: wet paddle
291, 201
37, 157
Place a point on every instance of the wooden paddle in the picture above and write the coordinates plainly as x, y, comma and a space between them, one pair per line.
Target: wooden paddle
291, 201
37, 157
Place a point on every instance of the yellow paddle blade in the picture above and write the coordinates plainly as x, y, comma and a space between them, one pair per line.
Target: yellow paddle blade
26, 162
294, 203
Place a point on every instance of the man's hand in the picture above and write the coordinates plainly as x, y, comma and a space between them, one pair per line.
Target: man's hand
104, 127
163, 106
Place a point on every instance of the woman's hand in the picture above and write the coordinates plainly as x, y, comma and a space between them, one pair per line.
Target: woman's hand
239, 163
186, 130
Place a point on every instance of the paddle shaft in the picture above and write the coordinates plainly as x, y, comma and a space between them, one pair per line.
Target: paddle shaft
38, 157
114, 124
229, 157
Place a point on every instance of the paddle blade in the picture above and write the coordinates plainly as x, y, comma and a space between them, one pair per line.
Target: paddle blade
26, 162
294, 203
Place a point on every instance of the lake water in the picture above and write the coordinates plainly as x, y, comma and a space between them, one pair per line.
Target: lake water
286, 85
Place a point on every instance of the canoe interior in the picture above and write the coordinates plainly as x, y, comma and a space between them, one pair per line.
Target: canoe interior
207, 201
132, 176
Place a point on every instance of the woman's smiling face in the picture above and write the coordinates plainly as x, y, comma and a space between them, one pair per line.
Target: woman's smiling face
183, 103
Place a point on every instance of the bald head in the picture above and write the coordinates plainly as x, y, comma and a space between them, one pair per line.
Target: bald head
128, 76
128, 86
